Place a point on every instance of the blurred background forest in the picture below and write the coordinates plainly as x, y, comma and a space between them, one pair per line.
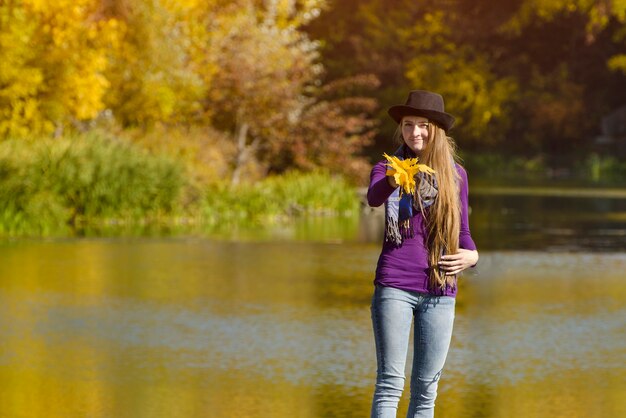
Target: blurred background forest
183, 100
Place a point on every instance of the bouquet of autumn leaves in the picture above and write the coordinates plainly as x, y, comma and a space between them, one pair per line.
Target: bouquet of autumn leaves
404, 172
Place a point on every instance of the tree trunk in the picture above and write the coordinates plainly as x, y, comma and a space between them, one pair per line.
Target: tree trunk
242, 151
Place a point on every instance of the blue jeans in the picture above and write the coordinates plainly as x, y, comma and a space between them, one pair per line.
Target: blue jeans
392, 313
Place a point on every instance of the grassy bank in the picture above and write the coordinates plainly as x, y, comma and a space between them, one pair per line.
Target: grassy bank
49, 186
276, 199
56, 186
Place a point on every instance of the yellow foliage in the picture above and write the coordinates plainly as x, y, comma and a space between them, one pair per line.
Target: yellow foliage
20, 81
618, 63
54, 58
599, 13
175, 64
473, 92
404, 172
160, 72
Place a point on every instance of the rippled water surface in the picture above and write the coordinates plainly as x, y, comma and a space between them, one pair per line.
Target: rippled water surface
279, 326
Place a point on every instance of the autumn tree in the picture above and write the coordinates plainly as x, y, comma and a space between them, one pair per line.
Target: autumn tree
335, 126
567, 56
514, 73
267, 92
158, 75
54, 59
243, 69
433, 56
409, 44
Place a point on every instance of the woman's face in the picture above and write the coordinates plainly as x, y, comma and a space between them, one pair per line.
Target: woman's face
415, 132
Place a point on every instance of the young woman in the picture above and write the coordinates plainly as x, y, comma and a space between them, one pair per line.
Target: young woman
427, 244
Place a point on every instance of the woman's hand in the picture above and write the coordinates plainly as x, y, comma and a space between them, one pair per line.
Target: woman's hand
453, 264
392, 182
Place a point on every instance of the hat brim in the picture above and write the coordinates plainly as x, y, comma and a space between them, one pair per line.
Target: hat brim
445, 120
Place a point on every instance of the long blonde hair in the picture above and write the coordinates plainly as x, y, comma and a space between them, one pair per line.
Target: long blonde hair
444, 216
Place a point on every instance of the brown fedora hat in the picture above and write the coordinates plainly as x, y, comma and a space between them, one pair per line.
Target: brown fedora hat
426, 104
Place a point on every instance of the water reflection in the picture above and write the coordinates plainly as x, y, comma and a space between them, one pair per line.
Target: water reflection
277, 324
549, 222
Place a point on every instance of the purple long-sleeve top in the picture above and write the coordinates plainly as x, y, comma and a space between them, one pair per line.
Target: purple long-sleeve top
406, 266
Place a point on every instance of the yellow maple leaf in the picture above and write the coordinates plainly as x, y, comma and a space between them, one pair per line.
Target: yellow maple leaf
404, 172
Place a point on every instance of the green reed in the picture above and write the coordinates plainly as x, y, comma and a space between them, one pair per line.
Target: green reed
278, 198
49, 185
61, 186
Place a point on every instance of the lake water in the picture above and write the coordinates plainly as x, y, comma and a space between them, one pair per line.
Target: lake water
276, 323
